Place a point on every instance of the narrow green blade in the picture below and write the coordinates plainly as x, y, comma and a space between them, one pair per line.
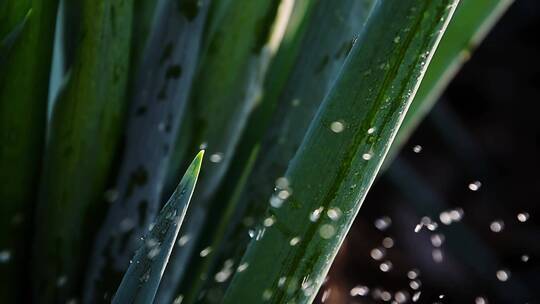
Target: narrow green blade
141, 281
472, 21
26, 43
84, 132
324, 186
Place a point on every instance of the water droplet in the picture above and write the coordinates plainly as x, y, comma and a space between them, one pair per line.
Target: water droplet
61, 281
275, 201
178, 299
437, 240
183, 240
475, 186
242, 267
205, 252
282, 183
417, 149
377, 253
153, 252
327, 231
416, 296
216, 157
385, 266
5, 256
359, 291
503, 275
386, 296
334, 213
523, 217
397, 39
437, 255
401, 296
496, 226
412, 274
525, 258
371, 130
388, 242
326, 295
367, 156
294, 241
281, 281
267, 294
415, 284
284, 194
223, 275
337, 126
316, 214
269, 221
480, 300
383, 223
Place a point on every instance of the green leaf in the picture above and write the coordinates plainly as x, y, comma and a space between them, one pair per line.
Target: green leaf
472, 21
141, 281
162, 87
296, 85
328, 179
83, 136
26, 37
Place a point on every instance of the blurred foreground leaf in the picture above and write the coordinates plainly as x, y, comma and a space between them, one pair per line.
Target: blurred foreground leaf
83, 136
26, 42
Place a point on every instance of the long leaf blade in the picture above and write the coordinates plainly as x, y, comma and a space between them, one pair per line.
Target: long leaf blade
341, 154
26, 43
141, 281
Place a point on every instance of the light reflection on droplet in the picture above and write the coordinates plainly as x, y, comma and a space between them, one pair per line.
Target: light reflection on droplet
480, 300
383, 223
359, 291
388, 242
385, 266
5, 256
334, 213
524, 258
417, 149
475, 186
337, 127
316, 214
327, 231
377, 253
416, 296
294, 241
503, 275
437, 255
367, 156
216, 157
523, 217
412, 274
496, 226
205, 252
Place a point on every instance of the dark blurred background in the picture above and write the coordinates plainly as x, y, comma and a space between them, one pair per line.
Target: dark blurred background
471, 171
